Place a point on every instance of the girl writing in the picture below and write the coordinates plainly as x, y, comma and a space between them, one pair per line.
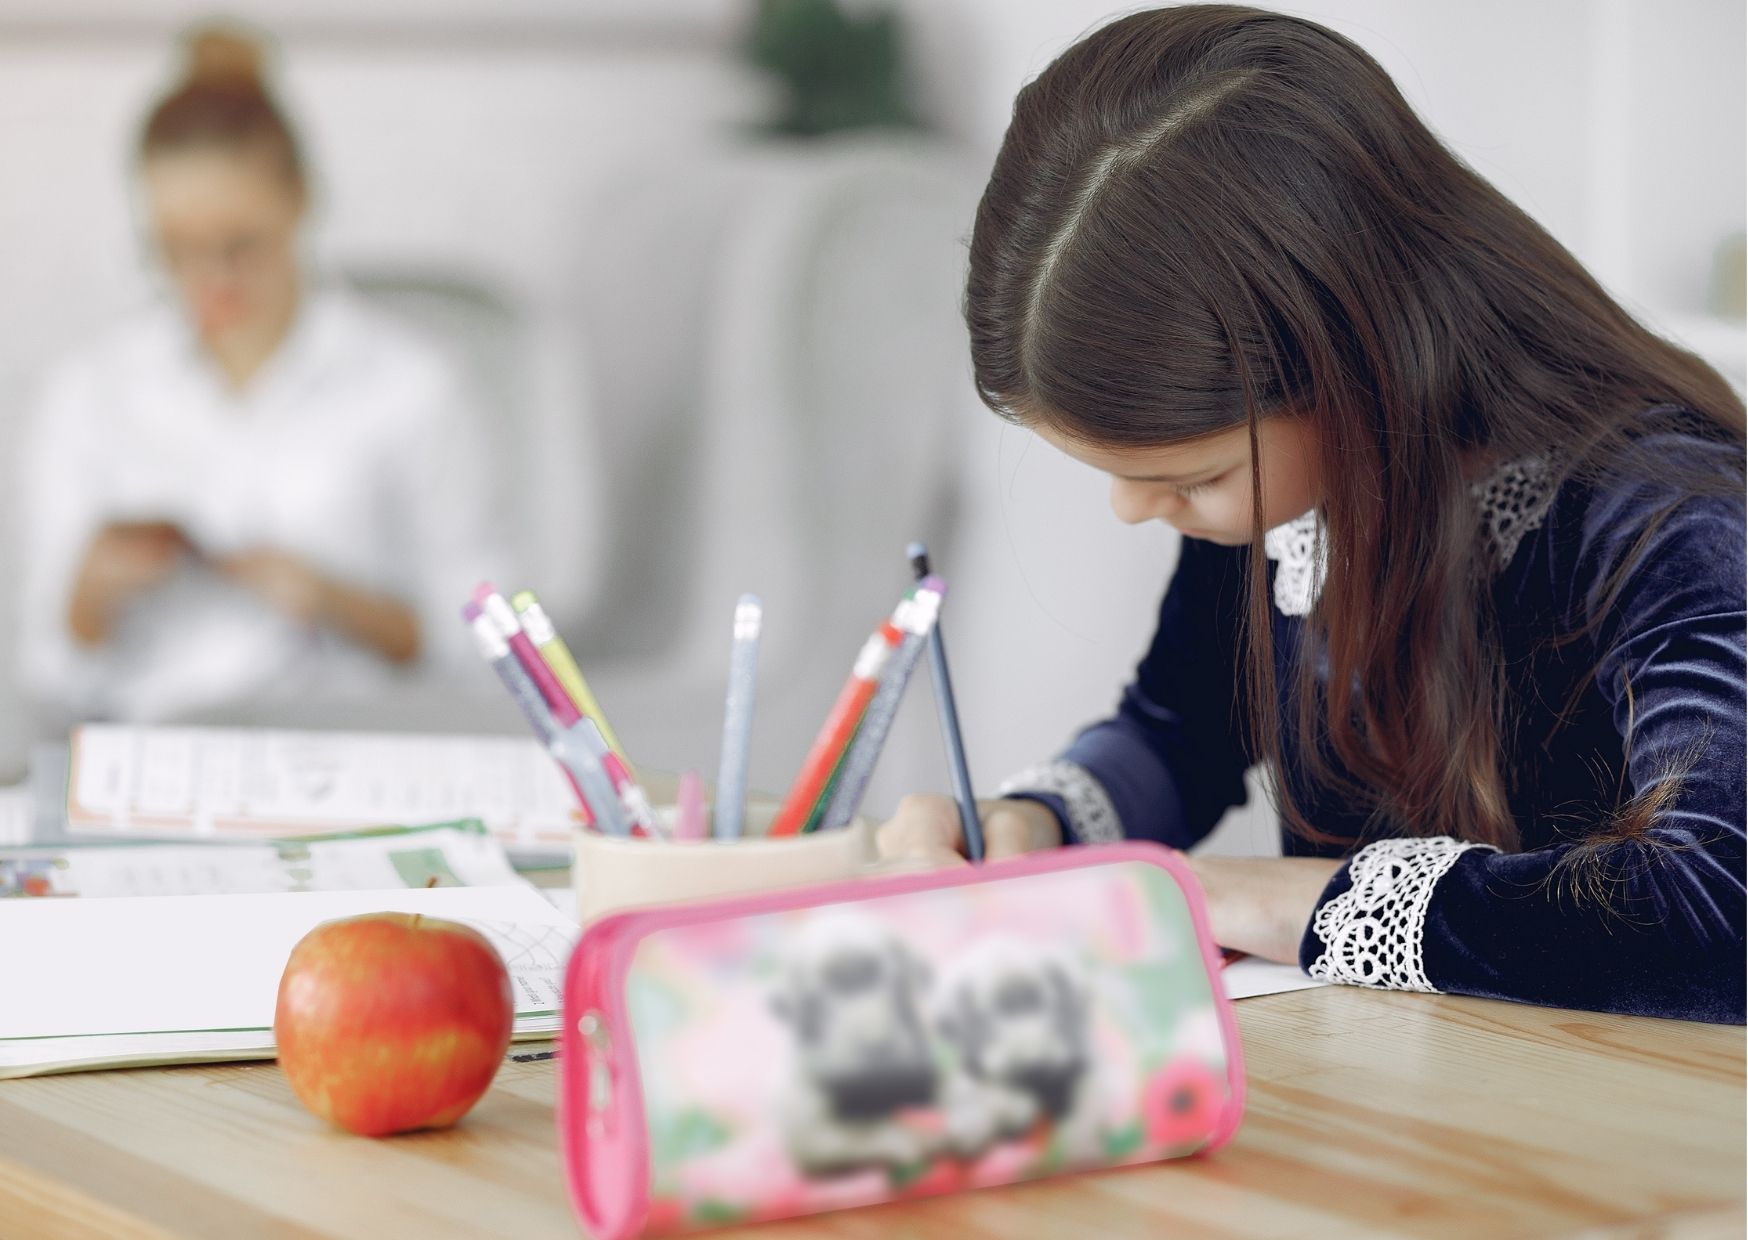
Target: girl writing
1463, 543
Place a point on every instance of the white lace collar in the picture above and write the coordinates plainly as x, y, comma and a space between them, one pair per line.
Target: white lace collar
1513, 500
1298, 548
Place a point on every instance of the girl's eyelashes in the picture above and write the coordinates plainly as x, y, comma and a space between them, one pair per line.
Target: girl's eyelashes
1187, 490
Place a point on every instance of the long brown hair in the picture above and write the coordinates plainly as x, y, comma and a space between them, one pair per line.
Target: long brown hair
222, 103
1204, 216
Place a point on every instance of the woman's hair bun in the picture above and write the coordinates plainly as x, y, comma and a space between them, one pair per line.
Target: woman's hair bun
223, 56
222, 101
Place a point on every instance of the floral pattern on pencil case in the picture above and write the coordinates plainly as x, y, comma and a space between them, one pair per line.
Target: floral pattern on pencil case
916, 1044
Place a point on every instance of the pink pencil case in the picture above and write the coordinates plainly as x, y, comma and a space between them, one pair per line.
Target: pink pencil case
888, 1038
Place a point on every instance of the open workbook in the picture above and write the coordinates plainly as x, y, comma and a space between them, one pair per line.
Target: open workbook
183, 979
452, 854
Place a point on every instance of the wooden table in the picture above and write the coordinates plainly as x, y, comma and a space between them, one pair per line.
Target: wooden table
1371, 1114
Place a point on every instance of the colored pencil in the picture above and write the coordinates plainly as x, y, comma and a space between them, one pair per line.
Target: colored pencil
572, 748
917, 622
496, 651
497, 607
817, 815
737, 719
557, 656
689, 808
627, 791
835, 734
629, 799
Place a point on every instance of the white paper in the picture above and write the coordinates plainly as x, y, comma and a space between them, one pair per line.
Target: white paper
35, 1056
564, 899
209, 783
26, 1056
1250, 977
78, 968
454, 856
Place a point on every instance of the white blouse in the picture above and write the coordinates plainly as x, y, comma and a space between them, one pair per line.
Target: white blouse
353, 449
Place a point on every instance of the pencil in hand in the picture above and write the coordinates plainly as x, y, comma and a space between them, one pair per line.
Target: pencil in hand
969, 824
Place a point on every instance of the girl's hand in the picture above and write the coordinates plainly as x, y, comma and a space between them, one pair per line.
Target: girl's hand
925, 831
1261, 905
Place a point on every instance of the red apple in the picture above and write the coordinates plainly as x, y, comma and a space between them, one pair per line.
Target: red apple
392, 1021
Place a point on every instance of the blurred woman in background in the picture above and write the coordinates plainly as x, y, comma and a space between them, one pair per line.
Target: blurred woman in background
259, 487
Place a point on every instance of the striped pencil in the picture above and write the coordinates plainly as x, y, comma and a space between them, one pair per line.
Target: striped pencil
571, 744
917, 623
593, 798
630, 794
557, 656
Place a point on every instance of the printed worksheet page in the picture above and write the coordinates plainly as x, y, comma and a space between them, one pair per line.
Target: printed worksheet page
207, 783
458, 855
174, 963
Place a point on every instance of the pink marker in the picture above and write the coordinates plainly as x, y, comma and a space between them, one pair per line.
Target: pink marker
689, 808
497, 608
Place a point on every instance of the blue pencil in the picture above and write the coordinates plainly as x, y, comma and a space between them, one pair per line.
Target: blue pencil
949, 713
737, 720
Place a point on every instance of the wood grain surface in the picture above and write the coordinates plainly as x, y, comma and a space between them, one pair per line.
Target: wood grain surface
1370, 1114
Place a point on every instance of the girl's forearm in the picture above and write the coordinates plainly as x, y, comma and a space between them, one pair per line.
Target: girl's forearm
1261, 905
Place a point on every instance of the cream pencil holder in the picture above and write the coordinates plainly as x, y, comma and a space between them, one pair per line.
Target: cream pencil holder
610, 873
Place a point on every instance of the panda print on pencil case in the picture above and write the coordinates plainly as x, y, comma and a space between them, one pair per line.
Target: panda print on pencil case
1018, 1018
1012, 1049
852, 997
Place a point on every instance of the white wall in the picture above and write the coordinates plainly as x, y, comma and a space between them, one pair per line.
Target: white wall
1619, 125
478, 158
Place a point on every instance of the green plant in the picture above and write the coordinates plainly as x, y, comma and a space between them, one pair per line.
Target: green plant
839, 71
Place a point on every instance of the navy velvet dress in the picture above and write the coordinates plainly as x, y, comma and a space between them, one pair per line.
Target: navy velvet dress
1651, 925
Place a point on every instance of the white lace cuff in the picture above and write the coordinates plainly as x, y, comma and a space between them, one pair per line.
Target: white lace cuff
1372, 932
1091, 817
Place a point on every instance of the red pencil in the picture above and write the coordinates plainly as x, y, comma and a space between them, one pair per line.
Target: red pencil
838, 730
